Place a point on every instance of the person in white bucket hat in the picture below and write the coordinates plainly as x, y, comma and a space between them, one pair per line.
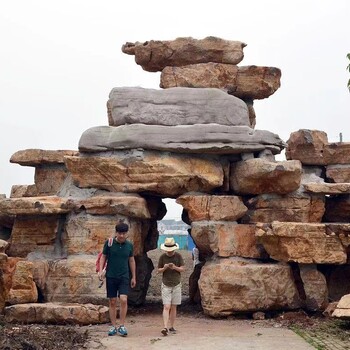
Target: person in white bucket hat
170, 264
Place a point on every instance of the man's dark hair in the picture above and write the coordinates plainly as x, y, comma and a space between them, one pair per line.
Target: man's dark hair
122, 227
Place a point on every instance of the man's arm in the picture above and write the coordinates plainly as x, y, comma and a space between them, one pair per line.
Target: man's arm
102, 264
132, 265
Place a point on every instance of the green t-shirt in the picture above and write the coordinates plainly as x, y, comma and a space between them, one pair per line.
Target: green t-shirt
117, 256
171, 278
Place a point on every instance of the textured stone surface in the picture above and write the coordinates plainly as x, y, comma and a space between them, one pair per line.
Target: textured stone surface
175, 106
204, 207
256, 176
57, 313
199, 138
291, 208
131, 205
305, 243
23, 289
343, 308
327, 188
312, 147
154, 55
36, 235
249, 82
228, 286
170, 177
315, 287
34, 205
339, 173
35, 157
227, 239
307, 146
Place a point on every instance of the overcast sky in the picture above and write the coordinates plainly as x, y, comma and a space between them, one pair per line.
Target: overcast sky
60, 59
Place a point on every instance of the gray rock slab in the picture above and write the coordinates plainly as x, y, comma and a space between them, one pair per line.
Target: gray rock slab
200, 138
175, 106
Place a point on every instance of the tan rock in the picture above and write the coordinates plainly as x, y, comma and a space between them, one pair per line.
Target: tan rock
327, 188
57, 313
131, 205
154, 55
171, 177
23, 289
34, 206
312, 147
307, 146
343, 308
291, 208
35, 234
315, 287
255, 176
49, 179
338, 173
249, 82
18, 191
227, 239
337, 153
305, 243
35, 157
206, 207
228, 286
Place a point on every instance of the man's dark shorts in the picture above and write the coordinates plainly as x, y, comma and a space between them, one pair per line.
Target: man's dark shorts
117, 287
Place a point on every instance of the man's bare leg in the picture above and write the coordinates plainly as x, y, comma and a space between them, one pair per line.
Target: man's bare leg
123, 308
172, 316
113, 311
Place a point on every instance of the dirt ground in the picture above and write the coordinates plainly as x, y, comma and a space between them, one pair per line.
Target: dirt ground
320, 332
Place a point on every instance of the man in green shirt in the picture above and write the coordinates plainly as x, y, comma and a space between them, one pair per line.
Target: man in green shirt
120, 263
171, 264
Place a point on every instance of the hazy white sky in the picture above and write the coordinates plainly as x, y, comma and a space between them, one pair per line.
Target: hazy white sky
60, 59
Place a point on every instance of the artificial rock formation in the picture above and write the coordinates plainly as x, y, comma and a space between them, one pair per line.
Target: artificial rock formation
272, 235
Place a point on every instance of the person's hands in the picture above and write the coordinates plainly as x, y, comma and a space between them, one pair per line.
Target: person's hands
171, 266
133, 282
166, 266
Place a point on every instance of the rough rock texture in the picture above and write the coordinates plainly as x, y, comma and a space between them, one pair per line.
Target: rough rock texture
250, 82
199, 138
326, 188
315, 287
338, 173
228, 286
22, 289
305, 243
154, 55
227, 239
256, 176
176, 106
171, 177
203, 207
36, 157
57, 313
293, 207
343, 308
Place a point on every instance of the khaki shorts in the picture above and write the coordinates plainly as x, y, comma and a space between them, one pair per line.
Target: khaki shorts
171, 295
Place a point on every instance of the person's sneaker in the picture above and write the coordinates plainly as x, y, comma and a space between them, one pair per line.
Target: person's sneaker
122, 331
112, 331
172, 330
164, 331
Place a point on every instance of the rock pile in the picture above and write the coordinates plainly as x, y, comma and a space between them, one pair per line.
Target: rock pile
267, 230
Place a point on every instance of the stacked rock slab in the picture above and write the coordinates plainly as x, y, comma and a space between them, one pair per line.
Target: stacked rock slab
193, 141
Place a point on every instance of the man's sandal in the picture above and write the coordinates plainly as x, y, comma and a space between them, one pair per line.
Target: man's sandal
164, 331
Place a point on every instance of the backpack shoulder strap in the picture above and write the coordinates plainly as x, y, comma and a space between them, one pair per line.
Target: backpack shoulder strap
110, 241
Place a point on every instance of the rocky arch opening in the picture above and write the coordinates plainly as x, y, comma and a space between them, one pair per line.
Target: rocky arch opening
171, 225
